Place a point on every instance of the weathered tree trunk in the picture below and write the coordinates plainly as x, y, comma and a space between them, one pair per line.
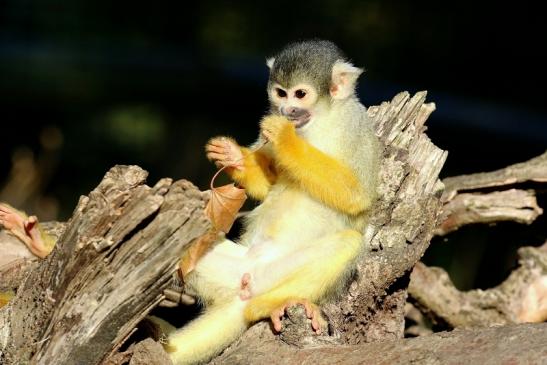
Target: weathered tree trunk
401, 225
108, 270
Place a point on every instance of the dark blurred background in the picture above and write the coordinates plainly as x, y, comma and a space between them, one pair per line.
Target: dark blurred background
85, 85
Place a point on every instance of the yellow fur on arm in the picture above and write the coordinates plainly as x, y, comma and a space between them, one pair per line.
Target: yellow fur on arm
320, 175
257, 176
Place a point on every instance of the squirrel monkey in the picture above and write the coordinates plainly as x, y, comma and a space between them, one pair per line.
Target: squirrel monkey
316, 178
27, 229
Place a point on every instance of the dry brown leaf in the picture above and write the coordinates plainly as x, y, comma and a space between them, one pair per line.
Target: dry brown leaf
222, 209
225, 203
196, 251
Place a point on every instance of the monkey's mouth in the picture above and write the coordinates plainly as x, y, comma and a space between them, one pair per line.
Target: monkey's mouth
301, 120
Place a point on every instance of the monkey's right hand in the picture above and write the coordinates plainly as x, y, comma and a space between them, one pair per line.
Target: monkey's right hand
225, 152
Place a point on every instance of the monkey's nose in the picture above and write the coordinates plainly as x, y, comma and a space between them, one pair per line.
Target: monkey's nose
292, 112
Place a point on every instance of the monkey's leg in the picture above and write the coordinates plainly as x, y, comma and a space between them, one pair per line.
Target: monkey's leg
209, 334
217, 275
216, 280
307, 275
26, 229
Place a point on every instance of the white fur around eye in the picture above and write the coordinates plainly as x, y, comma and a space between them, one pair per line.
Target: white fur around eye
308, 100
274, 93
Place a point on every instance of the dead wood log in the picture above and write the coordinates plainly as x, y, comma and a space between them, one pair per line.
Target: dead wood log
531, 170
522, 297
468, 199
470, 208
107, 272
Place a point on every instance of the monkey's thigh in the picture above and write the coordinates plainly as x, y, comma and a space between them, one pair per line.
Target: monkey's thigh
309, 272
218, 273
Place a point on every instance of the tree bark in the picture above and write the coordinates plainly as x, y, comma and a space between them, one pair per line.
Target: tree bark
468, 199
470, 208
516, 344
531, 170
401, 224
107, 271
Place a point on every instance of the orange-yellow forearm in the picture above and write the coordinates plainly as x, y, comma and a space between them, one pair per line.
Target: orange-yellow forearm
257, 175
323, 177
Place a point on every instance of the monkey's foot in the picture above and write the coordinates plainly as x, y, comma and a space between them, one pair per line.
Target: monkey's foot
224, 152
245, 292
25, 229
312, 312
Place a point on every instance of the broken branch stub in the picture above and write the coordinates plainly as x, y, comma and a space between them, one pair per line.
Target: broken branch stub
108, 270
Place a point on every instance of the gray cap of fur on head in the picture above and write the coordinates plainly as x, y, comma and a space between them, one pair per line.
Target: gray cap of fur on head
307, 61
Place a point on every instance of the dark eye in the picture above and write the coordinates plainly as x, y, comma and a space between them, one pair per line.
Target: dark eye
300, 93
280, 92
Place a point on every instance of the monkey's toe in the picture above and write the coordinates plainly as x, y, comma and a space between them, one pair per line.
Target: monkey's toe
313, 312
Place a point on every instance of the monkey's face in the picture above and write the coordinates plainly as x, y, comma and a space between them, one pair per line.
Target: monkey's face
295, 103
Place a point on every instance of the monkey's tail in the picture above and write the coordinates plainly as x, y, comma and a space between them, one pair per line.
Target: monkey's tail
209, 334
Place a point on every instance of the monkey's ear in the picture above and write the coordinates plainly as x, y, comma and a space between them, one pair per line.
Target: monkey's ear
270, 61
344, 78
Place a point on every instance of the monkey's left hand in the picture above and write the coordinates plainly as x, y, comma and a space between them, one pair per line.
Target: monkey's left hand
274, 127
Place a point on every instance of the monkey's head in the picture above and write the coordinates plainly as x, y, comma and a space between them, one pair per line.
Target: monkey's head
307, 75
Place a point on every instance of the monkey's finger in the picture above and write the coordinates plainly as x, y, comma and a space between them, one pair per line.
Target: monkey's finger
172, 295
214, 148
187, 299
166, 303
276, 321
308, 308
216, 156
316, 325
220, 142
